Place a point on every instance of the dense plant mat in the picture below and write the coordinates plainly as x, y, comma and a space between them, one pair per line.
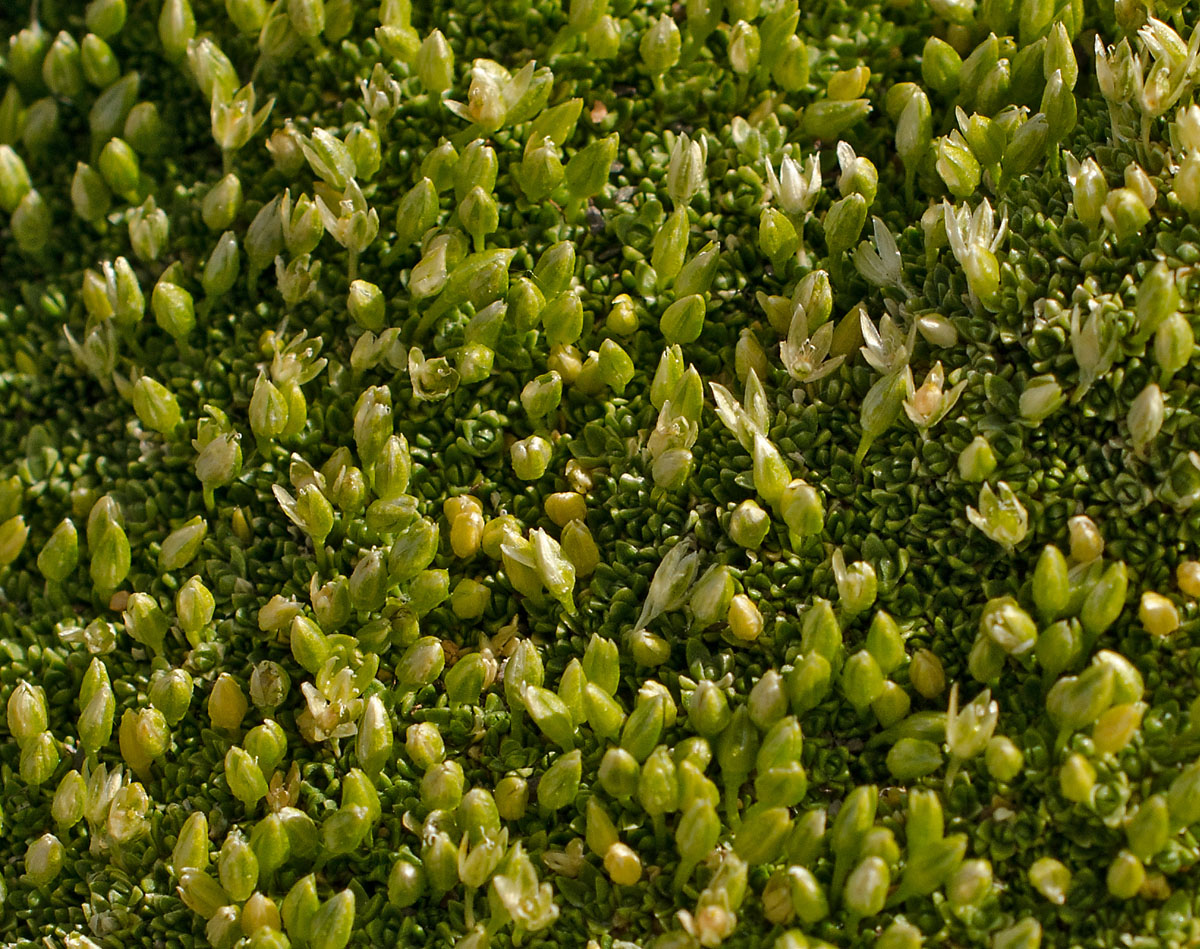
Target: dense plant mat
604, 474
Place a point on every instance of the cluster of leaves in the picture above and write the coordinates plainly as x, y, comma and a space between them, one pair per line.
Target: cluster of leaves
483, 474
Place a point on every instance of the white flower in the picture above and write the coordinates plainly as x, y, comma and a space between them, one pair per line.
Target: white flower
296, 362
382, 95
928, 405
803, 356
968, 731
887, 348
670, 584
334, 705
686, 173
1002, 518
673, 430
1187, 126
432, 379
797, 187
969, 232
974, 238
355, 225
528, 902
881, 265
234, 121
1094, 344
1171, 63
492, 94
747, 418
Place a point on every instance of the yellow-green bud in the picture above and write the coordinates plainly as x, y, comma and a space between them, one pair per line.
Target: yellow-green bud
560, 783
1077, 779
27, 714
970, 883
30, 224
866, 887
977, 462
237, 867
227, 703
512, 797
1126, 874
530, 457
1173, 345
1003, 758
1050, 878
406, 884
1125, 213
622, 864
156, 406
442, 786
62, 69
748, 525
1187, 575
660, 46
90, 196
14, 179
862, 680
43, 860
912, 758
191, 846
588, 169
777, 237
1149, 827
176, 25
39, 758
145, 621
245, 778
70, 800
299, 908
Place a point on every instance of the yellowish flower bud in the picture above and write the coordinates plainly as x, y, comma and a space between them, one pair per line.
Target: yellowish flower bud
565, 506
1158, 614
745, 620
1187, 575
227, 703
466, 534
1115, 728
623, 865
1086, 541
579, 547
926, 674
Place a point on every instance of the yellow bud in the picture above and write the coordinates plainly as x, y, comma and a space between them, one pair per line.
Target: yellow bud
1115, 728
745, 621
777, 899
579, 547
1086, 542
455, 507
1126, 876
1188, 577
260, 911
927, 399
564, 506
241, 526
578, 476
564, 359
1158, 614
926, 674
466, 534
623, 865
496, 532
227, 704
1077, 779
